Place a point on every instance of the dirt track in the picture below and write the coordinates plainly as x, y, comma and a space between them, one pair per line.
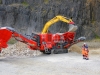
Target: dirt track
54, 64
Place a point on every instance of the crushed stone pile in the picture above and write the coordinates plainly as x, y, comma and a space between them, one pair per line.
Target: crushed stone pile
75, 48
19, 49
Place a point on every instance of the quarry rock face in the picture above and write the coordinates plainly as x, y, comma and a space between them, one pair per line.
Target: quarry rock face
27, 16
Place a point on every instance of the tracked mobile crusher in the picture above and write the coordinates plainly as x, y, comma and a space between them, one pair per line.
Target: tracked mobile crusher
44, 41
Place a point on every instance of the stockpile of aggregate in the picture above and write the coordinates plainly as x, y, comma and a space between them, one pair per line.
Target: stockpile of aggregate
19, 49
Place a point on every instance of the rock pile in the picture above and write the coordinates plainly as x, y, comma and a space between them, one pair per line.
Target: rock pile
19, 49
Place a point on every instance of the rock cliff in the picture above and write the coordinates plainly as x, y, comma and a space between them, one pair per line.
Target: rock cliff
28, 16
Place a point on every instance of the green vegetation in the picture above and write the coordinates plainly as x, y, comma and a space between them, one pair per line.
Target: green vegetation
93, 21
12, 41
95, 40
97, 36
0, 1
46, 1
25, 4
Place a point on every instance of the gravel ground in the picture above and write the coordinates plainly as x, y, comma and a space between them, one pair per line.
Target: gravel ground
54, 64
19, 60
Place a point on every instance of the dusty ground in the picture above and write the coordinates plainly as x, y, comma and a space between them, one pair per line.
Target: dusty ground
18, 60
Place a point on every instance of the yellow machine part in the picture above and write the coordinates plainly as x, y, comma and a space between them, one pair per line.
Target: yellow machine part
54, 20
